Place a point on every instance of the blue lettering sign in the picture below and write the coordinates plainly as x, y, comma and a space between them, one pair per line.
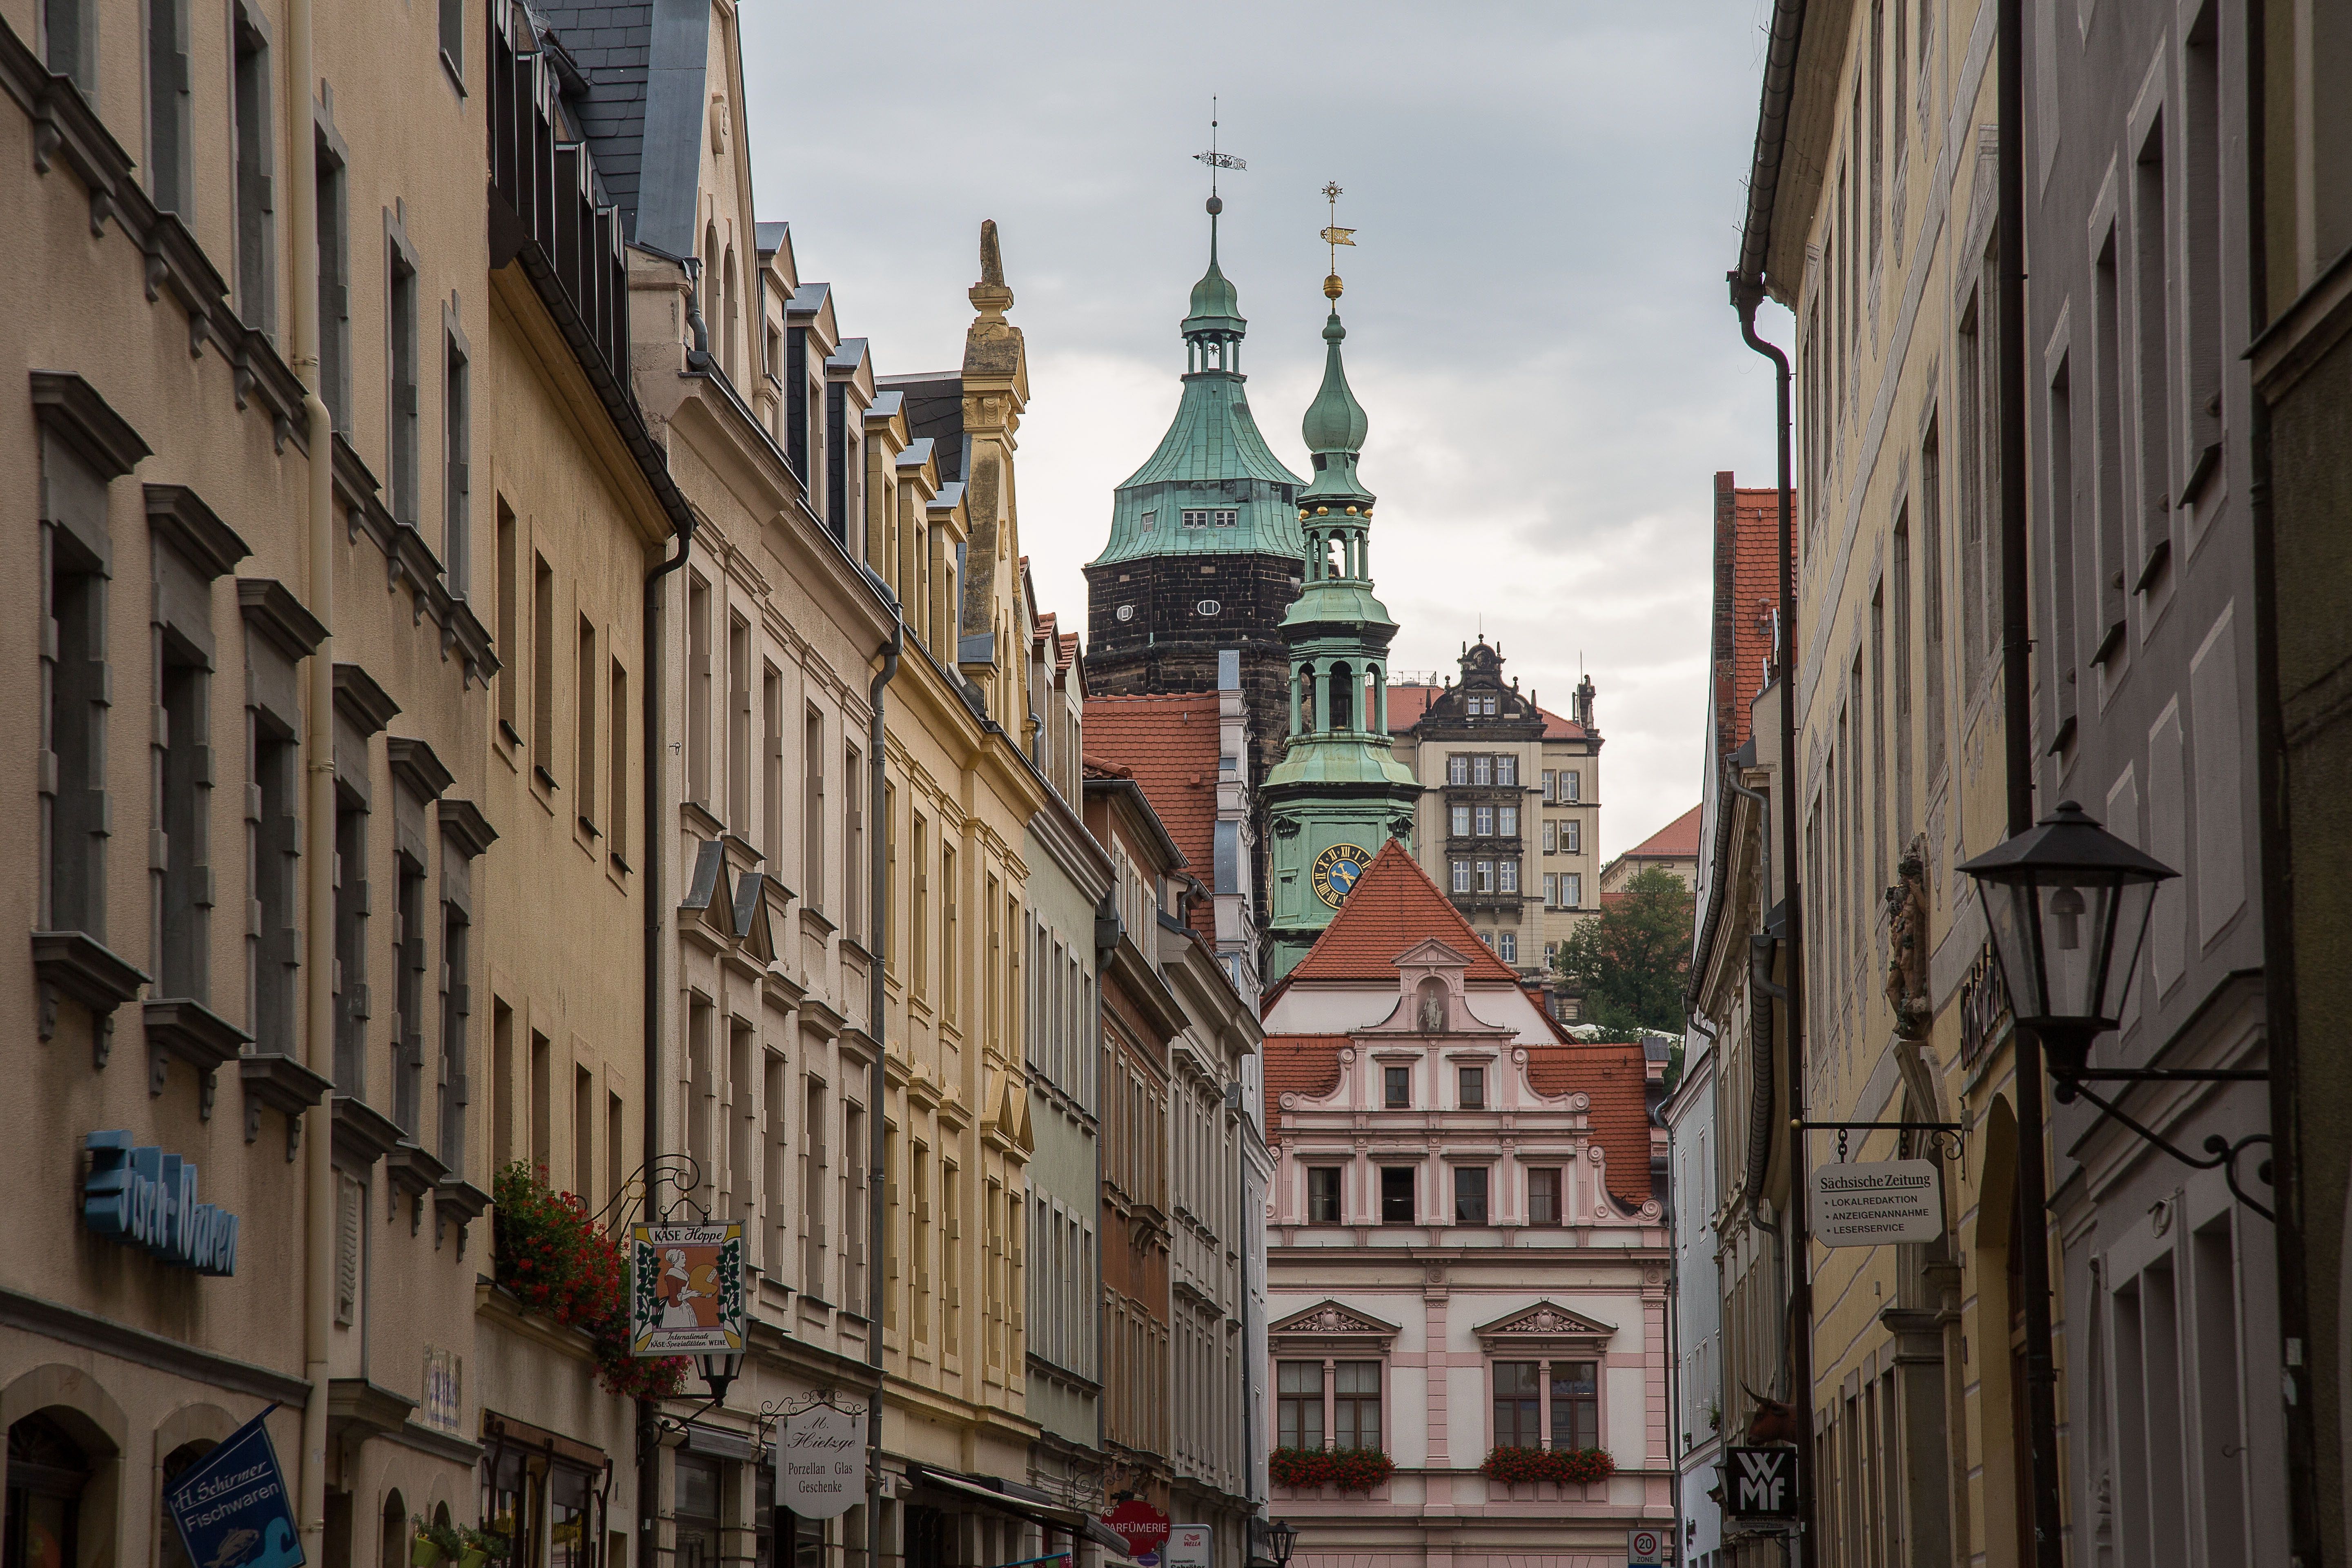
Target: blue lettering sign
231, 1507
147, 1198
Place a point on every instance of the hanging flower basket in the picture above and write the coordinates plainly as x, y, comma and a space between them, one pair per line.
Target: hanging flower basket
1310, 1469
558, 1263
1565, 1467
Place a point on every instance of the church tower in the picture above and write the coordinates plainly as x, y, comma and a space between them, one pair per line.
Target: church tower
1205, 549
1338, 793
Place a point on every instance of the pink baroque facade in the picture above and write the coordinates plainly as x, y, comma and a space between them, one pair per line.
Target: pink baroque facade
1463, 1255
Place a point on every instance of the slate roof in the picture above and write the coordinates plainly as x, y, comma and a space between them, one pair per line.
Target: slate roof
934, 410
1407, 702
1392, 906
614, 46
1169, 745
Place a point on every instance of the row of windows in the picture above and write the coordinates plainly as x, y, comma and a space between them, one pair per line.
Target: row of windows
1400, 1194
1482, 768
1563, 783
1563, 837
1469, 1088
1563, 890
1538, 1405
1502, 822
1472, 876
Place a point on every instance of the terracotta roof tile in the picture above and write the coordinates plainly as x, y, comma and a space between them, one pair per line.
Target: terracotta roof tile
1169, 745
1616, 1076
1678, 840
1392, 906
1303, 1064
1748, 595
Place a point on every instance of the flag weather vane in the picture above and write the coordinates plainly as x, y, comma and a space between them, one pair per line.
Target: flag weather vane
1334, 236
1216, 159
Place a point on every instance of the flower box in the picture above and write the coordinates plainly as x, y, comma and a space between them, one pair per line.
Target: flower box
1311, 1470
1517, 1466
558, 1263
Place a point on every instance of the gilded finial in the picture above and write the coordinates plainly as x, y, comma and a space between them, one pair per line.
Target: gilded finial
1334, 236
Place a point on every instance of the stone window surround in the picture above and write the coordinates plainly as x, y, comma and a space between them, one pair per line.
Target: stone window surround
1498, 1343
1346, 1334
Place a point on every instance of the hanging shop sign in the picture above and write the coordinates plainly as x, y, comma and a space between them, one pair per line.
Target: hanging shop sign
147, 1198
686, 1289
1191, 1546
1143, 1527
231, 1507
1760, 1484
821, 1462
1873, 1204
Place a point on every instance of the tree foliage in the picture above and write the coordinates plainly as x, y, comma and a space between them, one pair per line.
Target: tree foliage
1632, 959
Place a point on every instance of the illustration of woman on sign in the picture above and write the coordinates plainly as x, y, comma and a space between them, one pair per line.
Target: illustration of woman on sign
689, 1295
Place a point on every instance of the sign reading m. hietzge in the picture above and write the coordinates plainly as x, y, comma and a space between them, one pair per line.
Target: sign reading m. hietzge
1873, 1203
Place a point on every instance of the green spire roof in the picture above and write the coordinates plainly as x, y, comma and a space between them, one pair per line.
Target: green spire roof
1212, 463
1335, 421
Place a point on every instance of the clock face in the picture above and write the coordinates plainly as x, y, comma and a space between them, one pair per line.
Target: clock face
1336, 870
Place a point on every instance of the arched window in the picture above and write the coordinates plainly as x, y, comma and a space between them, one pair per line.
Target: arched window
174, 1554
48, 1469
734, 323
396, 1534
1343, 698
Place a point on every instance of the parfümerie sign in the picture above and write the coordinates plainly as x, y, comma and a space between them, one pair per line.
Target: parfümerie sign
821, 1462
1875, 1204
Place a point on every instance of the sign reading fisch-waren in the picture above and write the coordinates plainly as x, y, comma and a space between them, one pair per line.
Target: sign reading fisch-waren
1875, 1204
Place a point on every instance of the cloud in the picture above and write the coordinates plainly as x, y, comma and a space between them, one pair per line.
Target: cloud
1546, 196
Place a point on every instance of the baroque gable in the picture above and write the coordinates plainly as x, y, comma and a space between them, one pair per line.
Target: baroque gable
1332, 1325
1544, 1325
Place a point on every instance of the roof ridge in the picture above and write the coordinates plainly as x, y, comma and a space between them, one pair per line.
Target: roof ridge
1394, 890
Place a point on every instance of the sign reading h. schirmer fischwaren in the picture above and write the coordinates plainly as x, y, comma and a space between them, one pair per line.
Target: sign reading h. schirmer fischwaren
1872, 1205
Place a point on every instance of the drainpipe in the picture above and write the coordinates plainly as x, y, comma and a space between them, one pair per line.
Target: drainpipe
1747, 293
318, 916
648, 1438
2017, 714
878, 917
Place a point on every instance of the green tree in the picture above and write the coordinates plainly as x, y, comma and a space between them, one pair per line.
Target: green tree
1632, 959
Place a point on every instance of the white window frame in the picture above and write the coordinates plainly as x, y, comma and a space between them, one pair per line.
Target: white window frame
1460, 876
1459, 819
1506, 873
1484, 880
1509, 950
1507, 821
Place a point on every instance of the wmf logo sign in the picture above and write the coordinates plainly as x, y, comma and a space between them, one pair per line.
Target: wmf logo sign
1763, 1483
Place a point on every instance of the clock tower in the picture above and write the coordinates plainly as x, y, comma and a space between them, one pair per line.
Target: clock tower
1339, 792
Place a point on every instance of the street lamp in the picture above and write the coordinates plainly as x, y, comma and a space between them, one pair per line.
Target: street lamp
719, 1369
2068, 903
1281, 1541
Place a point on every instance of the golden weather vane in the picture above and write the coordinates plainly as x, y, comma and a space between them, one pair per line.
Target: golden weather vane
1335, 236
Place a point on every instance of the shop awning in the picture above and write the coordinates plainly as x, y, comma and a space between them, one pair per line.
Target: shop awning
1024, 1502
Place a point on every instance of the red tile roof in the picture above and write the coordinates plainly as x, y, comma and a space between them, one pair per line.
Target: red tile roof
1408, 703
1303, 1064
1169, 745
1678, 840
1392, 906
1747, 601
1616, 1076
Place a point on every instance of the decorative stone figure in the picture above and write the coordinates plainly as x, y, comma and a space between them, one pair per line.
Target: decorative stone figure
1907, 945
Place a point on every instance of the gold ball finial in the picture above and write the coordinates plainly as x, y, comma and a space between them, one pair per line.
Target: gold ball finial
1332, 286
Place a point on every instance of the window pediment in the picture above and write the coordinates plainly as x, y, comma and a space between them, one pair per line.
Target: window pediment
1330, 1327
1544, 1327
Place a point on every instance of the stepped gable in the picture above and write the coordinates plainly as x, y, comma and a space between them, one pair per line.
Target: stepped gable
1392, 906
1303, 1064
1617, 1080
1169, 745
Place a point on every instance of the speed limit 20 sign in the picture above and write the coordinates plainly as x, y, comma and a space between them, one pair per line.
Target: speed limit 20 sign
1645, 1548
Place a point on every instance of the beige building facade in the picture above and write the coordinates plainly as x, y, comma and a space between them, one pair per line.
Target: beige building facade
298, 413
1510, 823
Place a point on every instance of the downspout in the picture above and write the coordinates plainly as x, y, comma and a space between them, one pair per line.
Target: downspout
877, 1116
318, 969
1747, 292
648, 1500
2017, 713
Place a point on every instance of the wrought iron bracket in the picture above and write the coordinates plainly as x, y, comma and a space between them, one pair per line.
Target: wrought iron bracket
774, 1410
1947, 1135
2223, 1153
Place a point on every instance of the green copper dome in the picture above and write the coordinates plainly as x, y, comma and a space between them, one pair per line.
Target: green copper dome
1335, 421
1213, 487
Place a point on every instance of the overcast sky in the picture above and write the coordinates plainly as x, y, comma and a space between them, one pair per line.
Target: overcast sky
1546, 198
